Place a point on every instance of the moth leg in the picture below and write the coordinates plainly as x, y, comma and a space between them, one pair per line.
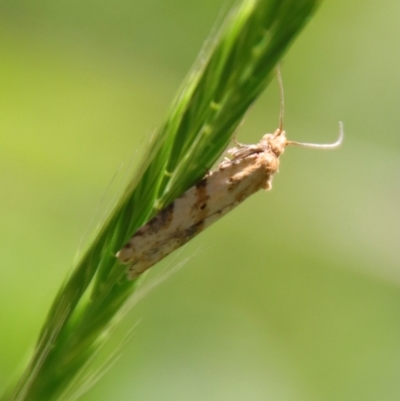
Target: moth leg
239, 144
246, 150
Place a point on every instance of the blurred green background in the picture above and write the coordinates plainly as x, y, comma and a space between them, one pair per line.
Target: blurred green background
293, 296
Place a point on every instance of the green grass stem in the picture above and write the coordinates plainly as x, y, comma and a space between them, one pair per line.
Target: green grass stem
234, 69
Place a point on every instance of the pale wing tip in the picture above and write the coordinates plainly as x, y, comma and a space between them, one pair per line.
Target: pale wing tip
124, 256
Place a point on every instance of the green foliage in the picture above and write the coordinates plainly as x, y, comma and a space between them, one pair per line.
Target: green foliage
234, 69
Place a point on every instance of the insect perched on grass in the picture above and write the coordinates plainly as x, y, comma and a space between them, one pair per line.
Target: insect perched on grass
250, 168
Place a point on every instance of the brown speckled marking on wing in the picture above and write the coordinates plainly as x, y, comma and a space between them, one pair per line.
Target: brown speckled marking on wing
199, 210
250, 170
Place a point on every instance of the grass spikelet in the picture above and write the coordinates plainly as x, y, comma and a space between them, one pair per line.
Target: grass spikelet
234, 69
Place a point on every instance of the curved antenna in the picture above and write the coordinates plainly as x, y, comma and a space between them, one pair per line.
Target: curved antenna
321, 145
280, 83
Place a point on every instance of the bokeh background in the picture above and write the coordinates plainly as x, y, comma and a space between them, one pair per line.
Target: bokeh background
293, 296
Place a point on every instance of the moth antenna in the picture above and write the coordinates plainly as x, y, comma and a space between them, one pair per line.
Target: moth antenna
333, 145
282, 108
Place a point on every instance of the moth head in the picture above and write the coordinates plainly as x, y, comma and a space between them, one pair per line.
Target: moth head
275, 142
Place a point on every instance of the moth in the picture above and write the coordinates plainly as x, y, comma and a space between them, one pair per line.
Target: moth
250, 168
